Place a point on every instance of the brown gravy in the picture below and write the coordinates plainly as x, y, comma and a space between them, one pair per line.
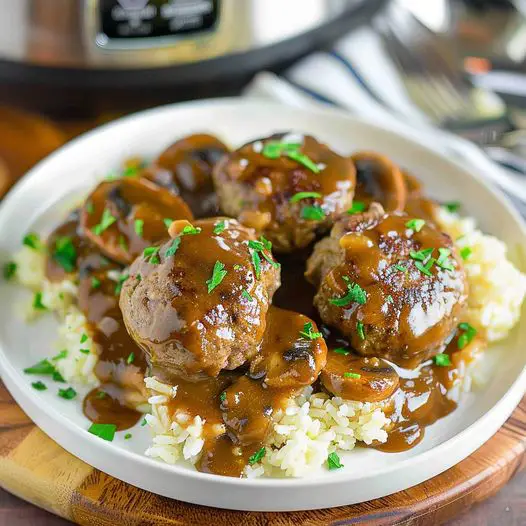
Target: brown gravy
237, 406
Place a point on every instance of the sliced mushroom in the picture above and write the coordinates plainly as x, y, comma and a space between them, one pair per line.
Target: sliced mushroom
361, 379
379, 179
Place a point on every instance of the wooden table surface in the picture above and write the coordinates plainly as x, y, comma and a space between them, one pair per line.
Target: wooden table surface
17, 132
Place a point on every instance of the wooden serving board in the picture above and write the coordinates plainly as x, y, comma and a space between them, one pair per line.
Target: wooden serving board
37, 469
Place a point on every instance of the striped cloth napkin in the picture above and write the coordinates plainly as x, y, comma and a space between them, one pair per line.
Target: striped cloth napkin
358, 76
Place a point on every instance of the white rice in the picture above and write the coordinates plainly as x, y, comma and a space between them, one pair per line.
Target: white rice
496, 287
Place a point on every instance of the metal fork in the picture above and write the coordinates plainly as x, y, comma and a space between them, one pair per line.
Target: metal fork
428, 71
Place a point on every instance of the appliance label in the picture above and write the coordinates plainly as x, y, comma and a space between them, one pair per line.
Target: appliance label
156, 18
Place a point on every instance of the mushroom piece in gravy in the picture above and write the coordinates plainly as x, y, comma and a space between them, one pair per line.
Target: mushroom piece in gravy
289, 187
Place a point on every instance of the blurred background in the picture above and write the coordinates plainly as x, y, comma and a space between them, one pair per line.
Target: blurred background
454, 65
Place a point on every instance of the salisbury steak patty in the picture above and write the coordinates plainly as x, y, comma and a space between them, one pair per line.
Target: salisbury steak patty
288, 187
197, 304
391, 283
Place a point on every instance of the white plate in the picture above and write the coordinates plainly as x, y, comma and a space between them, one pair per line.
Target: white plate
46, 192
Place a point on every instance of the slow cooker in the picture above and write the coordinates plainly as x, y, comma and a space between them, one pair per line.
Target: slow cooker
75, 52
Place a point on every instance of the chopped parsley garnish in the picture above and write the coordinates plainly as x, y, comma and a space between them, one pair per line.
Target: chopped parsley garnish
57, 377
355, 294
333, 461
130, 171
168, 222
303, 159
106, 221
172, 249
341, 350
401, 268
138, 277
32, 240
101, 395
37, 301
65, 253
263, 246
425, 269
127, 436
257, 456
218, 275
309, 333
130, 358
104, 431
138, 226
144, 422
313, 213
465, 253
190, 230
256, 261
9, 270
274, 149
356, 376
122, 243
84, 351
468, 334
356, 208
442, 360
83, 338
89, 207
304, 195
222, 396
67, 394
246, 295
443, 260
421, 255
152, 255
120, 282
219, 227
452, 206
61, 355
95, 282
360, 330
389, 299
39, 386
415, 224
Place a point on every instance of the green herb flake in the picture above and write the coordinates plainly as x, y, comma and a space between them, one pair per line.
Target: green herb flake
421, 255
144, 422
130, 171
37, 301
304, 160
152, 255
443, 260
106, 221
190, 230
309, 333
222, 396
442, 360
333, 461
168, 222
257, 456
10, 270
360, 330
104, 431
256, 261
389, 299
172, 249
415, 224
355, 294
89, 207
423, 268
95, 283
219, 227
127, 436
120, 283
32, 240
341, 350
130, 358
60, 356
465, 253
57, 377
138, 277
83, 338
247, 296
356, 376
312, 213
452, 206
84, 351
138, 226
65, 253
67, 394
401, 268
356, 208
218, 275
101, 395
122, 243
304, 195
39, 386
467, 335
